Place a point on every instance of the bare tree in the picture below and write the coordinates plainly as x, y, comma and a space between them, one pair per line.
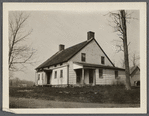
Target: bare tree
119, 21
20, 52
135, 59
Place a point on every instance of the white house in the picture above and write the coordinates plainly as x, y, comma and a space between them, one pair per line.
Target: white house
135, 76
83, 64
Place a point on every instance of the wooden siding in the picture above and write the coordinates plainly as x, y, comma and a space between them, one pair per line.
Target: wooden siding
135, 77
72, 73
109, 77
36, 78
59, 80
93, 55
53, 80
41, 78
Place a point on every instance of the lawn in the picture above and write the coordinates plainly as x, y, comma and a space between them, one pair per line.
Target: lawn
87, 94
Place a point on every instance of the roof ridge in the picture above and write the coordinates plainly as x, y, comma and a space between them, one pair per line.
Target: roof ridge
63, 51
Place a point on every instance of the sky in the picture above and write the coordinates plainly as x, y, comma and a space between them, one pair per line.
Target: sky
51, 28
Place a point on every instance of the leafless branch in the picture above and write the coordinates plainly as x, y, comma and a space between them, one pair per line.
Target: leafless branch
120, 48
19, 54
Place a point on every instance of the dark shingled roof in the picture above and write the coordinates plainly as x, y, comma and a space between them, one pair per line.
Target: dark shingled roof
133, 69
63, 56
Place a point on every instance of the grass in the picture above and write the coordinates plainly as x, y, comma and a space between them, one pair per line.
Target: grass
87, 94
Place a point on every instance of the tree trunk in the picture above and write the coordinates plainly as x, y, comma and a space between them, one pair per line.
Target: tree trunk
128, 85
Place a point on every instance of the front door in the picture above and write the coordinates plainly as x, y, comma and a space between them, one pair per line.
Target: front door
79, 74
90, 76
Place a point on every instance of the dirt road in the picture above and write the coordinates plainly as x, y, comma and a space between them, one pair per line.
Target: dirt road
38, 103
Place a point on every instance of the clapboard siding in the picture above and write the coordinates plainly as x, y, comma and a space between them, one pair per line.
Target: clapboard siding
135, 77
72, 74
109, 77
59, 80
36, 78
93, 54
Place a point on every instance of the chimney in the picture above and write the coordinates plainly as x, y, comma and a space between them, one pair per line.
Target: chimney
90, 35
61, 47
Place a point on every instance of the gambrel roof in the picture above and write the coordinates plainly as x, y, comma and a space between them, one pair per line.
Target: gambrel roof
66, 54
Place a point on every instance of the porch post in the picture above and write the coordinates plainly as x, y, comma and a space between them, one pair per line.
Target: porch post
94, 75
83, 76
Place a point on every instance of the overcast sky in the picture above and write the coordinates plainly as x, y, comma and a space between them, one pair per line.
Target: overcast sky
51, 28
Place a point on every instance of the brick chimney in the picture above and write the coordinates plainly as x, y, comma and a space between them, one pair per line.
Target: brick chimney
90, 35
61, 47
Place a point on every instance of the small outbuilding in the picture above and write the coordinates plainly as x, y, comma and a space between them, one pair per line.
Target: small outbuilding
135, 76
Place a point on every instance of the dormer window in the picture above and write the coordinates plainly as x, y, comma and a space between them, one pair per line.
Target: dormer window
83, 57
102, 60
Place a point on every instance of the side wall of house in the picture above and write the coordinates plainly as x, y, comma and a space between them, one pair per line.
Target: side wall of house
36, 78
135, 77
41, 78
108, 77
93, 54
59, 80
72, 74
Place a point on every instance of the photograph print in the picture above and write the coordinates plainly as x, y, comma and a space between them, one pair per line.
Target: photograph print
80, 56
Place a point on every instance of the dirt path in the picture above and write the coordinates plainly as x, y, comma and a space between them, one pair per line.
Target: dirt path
38, 103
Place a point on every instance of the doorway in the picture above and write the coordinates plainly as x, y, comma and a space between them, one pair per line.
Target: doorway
48, 77
79, 75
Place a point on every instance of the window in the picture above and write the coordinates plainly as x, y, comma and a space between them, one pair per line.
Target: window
42, 76
100, 73
38, 76
116, 74
55, 74
61, 74
83, 57
55, 65
102, 60
61, 64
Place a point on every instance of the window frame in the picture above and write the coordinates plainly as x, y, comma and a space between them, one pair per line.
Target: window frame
83, 57
116, 74
55, 74
102, 60
38, 77
42, 77
61, 73
101, 76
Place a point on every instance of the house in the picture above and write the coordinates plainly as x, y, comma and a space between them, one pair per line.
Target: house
135, 76
83, 64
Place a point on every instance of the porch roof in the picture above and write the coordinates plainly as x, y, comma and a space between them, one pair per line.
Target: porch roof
88, 65
44, 69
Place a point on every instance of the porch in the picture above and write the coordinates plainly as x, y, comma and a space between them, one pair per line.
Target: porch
48, 76
84, 75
